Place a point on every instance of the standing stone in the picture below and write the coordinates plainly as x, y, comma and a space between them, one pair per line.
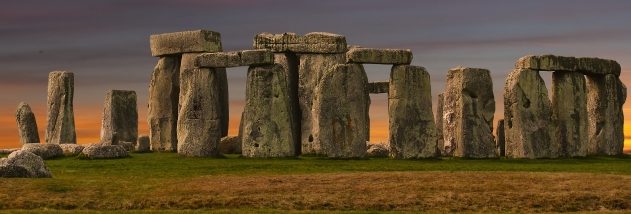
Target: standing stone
120, 117
290, 63
605, 97
267, 115
199, 123
500, 143
440, 103
61, 127
341, 112
413, 133
569, 105
468, 112
311, 71
528, 116
27, 127
143, 144
164, 92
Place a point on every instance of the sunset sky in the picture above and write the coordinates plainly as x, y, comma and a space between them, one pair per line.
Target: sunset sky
106, 44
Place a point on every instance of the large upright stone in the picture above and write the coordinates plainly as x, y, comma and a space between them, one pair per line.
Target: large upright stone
290, 64
569, 106
468, 113
267, 115
199, 122
176, 43
61, 127
27, 127
440, 141
500, 142
341, 112
528, 118
164, 92
605, 97
310, 73
120, 117
413, 133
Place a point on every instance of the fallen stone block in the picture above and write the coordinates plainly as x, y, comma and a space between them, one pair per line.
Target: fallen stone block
23, 164
143, 144
46, 151
377, 150
102, 151
71, 149
230, 145
185, 42
379, 56
235, 59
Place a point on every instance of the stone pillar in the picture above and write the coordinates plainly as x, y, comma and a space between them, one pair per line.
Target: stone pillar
290, 63
164, 92
413, 133
440, 103
120, 118
268, 128
61, 127
500, 142
27, 127
569, 106
341, 112
528, 116
605, 96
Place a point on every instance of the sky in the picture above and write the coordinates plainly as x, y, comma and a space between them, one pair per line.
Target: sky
106, 44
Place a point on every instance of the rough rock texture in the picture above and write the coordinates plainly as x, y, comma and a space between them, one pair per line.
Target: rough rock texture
377, 150
605, 97
8, 151
569, 107
46, 151
185, 42
500, 143
143, 144
310, 73
27, 127
102, 151
120, 117
340, 112
412, 129
290, 63
315, 42
587, 66
468, 113
23, 164
235, 59
267, 115
379, 56
378, 87
199, 125
528, 118
230, 145
129, 146
164, 92
71, 149
61, 127
440, 140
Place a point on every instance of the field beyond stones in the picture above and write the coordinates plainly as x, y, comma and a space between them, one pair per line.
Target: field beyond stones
168, 182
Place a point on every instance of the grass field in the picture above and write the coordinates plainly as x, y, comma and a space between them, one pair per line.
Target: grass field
167, 182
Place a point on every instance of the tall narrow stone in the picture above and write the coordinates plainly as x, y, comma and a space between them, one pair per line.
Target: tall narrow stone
500, 142
569, 106
341, 112
267, 116
413, 133
27, 127
290, 63
61, 127
605, 97
199, 121
120, 117
164, 92
440, 103
528, 118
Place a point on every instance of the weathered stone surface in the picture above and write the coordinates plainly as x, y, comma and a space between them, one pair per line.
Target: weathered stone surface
235, 59
440, 140
290, 63
46, 151
27, 127
8, 151
379, 56
102, 151
199, 124
378, 87
143, 144
529, 124
569, 107
377, 150
230, 145
587, 66
468, 113
412, 130
185, 42
164, 92
605, 97
340, 112
61, 127
267, 115
71, 149
120, 117
129, 146
23, 164
310, 73
500, 143
315, 42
